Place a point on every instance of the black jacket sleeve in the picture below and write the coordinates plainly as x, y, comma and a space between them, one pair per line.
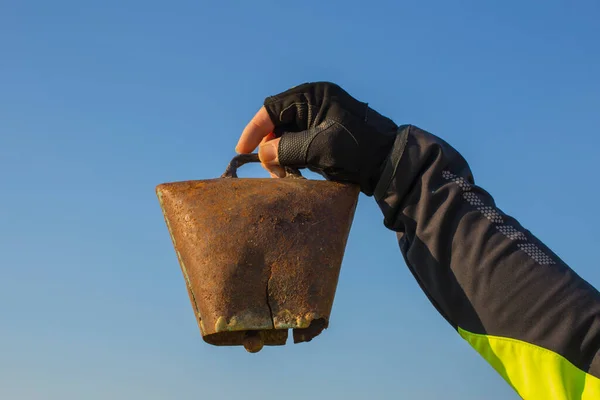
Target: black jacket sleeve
522, 308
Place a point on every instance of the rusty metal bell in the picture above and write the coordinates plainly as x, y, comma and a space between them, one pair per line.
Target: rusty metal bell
259, 256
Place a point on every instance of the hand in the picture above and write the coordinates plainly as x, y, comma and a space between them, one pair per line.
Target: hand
321, 127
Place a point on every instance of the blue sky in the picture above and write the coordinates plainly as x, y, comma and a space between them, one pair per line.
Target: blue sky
102, 101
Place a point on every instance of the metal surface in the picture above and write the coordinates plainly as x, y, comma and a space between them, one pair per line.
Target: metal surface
259, 256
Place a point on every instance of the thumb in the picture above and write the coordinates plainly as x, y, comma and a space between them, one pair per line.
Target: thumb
268, 152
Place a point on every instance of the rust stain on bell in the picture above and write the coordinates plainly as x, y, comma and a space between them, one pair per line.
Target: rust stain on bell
259, 256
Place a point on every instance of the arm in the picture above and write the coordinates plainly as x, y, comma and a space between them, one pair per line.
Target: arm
512, 299
526, 312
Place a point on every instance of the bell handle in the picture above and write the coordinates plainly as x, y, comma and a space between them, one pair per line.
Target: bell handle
241, 159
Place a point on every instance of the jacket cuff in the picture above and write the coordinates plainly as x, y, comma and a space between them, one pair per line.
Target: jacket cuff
391, 163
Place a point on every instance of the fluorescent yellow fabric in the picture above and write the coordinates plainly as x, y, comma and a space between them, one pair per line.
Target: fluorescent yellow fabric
534, 372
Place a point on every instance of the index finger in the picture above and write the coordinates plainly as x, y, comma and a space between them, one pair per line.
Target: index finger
258, 127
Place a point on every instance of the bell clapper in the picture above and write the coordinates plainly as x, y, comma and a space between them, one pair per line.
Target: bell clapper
253, 342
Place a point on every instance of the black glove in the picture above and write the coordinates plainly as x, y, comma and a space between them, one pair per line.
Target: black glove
326, 130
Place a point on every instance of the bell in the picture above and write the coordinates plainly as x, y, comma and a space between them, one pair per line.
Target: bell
259, 256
